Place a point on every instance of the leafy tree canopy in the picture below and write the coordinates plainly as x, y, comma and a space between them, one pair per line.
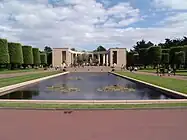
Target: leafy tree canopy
99, 49
47, 49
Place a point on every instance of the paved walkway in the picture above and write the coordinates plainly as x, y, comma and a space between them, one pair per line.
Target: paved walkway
90, 69
165, 76
93, 125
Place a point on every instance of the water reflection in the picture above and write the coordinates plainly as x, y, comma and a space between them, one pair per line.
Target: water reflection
20, 95
88, 89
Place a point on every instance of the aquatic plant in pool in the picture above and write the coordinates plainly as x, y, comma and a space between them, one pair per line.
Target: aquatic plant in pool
63, 88
113, 88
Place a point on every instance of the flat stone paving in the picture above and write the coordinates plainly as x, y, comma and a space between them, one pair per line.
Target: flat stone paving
89, 69
167, 124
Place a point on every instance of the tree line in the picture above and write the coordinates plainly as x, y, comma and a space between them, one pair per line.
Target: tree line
170, 53
14, 55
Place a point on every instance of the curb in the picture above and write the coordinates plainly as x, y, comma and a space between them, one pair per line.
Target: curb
7, 89
162, 89
94, 109
95, 102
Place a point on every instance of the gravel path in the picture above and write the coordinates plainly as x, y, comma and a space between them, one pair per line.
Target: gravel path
94, 125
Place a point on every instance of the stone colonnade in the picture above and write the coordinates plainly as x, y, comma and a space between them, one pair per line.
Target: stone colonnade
101, 57
109, 57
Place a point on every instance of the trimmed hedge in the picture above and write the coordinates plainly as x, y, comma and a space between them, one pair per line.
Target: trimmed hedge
16, 53
143, 56
185, 51
27, 55
154, 54
4, 55
165, 50
165, 58
172, 52
43, 58
49, 58
179, 57
36, 56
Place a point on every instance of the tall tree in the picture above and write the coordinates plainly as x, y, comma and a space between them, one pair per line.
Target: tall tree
142, 45
73, 49
100, 48
184, 41
47, 49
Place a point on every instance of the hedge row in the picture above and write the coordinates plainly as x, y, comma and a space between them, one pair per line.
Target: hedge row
15, 53
4, 55
155, 55
27, 55
36, 55
43, 58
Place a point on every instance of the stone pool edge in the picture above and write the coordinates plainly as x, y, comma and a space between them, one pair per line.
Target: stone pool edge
4, 90
95, 102
158, 88
87, 102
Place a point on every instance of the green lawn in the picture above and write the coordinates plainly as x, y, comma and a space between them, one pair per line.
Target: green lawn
178, 72
170, 83
19, 79
17, 71
88, 106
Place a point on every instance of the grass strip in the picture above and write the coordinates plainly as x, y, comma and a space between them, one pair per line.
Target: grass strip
17, 71
170, 83
178, 72
87, 106
24, 78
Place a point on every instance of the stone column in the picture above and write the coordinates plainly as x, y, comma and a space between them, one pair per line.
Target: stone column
104, 59
71, 58
76, 57
99, 58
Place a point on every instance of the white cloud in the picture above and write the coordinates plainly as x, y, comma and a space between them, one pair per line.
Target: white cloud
77, 23
173, 4
177, 20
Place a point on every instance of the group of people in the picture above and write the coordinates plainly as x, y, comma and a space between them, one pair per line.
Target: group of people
161, 71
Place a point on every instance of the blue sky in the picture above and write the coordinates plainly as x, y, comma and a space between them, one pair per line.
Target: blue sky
85, 24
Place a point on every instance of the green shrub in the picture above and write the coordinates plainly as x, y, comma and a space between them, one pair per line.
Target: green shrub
165, 51
4, 55
43, 58
27, 55
185, 51
154, 55
172, 52
16, 53
49, 58
143, 56
36, 56
179, 57
136, 59
165, 58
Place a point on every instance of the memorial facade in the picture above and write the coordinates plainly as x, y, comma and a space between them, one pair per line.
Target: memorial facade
110, 57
